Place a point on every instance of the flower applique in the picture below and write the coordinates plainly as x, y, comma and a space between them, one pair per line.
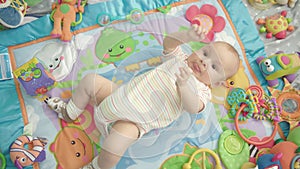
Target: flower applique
207, 17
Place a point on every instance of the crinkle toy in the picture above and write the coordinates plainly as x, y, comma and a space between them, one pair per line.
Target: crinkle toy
206, 16
278, 66
276, 25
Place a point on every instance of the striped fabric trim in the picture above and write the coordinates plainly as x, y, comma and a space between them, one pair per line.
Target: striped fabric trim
28, 154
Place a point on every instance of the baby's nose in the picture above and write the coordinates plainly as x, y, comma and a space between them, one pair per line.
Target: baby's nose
203, 63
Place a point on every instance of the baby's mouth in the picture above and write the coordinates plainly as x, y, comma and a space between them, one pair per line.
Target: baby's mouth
196, 68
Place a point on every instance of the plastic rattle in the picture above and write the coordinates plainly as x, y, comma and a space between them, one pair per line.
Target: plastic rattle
238, 97
136, 16
256, 143
203, 150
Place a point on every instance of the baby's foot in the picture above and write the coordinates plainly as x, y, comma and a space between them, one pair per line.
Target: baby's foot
59, 106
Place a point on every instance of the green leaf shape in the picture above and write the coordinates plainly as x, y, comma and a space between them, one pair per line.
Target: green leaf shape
239, 149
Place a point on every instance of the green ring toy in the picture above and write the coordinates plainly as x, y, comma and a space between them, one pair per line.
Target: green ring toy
3, 161
135, 16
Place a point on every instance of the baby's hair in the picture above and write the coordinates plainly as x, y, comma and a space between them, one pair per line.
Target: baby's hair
233, 51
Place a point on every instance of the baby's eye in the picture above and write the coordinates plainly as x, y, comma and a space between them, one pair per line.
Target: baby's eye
50, 66
110, 50
56, 59
121, 46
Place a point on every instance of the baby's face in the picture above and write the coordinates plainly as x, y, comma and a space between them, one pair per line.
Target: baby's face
212, 63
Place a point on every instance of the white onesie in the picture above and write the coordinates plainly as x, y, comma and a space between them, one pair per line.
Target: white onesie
150, 100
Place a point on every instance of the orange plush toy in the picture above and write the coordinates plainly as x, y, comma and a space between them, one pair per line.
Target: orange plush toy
64, 16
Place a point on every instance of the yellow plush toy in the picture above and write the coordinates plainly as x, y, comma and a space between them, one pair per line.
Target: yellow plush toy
64, 16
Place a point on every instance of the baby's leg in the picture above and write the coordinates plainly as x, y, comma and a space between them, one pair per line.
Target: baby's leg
121, 136
92, 88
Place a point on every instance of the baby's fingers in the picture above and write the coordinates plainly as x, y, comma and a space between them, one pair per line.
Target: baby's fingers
200, 31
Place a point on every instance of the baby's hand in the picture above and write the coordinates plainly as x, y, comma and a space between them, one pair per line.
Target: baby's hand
197, 32
184, 75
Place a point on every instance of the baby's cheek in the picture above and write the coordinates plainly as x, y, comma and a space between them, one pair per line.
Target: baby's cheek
128, 49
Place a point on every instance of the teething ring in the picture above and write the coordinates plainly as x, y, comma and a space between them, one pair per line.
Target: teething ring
236, 123
203, 150
240, 103
3, 161
21, 156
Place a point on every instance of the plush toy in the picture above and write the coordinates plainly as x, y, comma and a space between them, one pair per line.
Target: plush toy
64, 16
269, 161
22, 156
290, 3
265, 4
276, 25
279, 65
289, 150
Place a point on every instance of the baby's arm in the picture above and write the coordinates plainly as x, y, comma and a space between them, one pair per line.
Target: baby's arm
191, 102
195, 33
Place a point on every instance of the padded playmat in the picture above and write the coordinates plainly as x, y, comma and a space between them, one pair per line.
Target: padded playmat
166, 148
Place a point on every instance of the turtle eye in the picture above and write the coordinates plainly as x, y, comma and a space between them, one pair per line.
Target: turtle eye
267, 62
270, 68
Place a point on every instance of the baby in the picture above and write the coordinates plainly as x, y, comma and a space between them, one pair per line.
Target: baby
151, 100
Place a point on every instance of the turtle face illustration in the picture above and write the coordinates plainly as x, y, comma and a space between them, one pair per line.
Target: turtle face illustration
114, 45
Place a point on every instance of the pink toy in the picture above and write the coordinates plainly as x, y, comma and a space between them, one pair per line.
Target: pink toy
207, 17
276, 25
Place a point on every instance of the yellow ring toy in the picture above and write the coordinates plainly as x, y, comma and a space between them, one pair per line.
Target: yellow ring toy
203, 150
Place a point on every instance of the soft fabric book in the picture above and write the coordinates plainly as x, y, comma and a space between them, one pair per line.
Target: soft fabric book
35, 79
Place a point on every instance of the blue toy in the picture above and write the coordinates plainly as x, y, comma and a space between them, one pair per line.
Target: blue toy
269, 161
278, 66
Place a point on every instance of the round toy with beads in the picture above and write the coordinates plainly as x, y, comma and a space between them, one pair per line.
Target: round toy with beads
276, 25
